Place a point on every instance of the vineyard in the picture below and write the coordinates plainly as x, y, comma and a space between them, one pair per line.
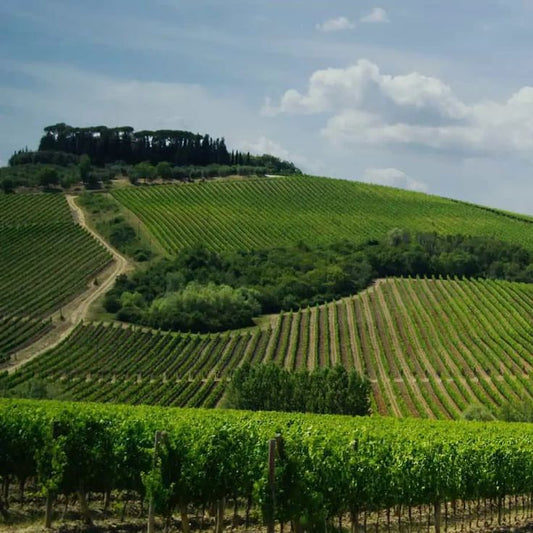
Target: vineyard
318, 471
430, 347
46, 260
270, 212
16, 332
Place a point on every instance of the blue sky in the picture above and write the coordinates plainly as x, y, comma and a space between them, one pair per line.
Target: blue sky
422, 94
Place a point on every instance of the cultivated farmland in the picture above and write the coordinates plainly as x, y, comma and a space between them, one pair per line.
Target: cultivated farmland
269, 212
46, 260
430, 347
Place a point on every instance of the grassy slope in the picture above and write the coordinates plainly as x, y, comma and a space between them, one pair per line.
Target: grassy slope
269, 212
430, 347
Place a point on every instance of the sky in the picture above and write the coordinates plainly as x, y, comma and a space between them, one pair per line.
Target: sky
424, 95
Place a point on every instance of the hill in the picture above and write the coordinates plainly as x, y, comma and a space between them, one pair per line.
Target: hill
430, 347
46, 260
270, 212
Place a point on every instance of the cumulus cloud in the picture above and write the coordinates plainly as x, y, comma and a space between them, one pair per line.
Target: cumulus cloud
376, 16
365, 106
335, 24
264, 145
393, 177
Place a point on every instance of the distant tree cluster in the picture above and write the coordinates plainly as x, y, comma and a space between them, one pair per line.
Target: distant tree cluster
193, 307
44, 157
324, 390
63, 144
300, 276
38, 175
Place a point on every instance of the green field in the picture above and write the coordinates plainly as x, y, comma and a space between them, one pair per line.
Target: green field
270, 212
431, 348
46, 260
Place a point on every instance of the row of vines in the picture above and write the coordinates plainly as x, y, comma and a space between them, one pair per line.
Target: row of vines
46, 259
430, 348
321, 469
44, 265
269, 212
15, 332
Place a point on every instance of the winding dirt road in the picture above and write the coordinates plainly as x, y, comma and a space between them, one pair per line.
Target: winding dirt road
77, 309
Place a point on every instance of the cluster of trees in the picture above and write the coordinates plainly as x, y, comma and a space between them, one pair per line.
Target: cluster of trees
105, 145
45, 157
52, 170
146, 172
300, 276
37, 175
200, 308
94, 155
62, 144
324, 390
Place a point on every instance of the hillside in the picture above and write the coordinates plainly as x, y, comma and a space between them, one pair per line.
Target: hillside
46, 260
270, 212
430, 347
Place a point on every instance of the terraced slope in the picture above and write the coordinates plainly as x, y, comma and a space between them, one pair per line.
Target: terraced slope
430, 348
45, 260
270, 212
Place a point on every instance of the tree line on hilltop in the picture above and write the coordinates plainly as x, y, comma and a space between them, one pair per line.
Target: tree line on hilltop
61, 143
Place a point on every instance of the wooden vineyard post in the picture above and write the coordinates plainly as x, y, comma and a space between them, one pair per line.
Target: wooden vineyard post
274, 446
159, 436
49, 495
438, 518
271, 482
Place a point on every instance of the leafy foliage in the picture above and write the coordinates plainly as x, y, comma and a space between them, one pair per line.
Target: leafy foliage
107, 145
324, 390
295, 277
325, 465
203, 308
29, 175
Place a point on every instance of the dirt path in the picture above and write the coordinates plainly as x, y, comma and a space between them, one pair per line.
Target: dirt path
78, 308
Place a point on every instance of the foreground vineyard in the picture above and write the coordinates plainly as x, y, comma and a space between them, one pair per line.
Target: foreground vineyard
270, 212
430, 347
327, 467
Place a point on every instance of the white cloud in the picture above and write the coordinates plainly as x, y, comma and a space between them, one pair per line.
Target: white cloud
336, 24
393, 178
365, 106
376, 16
356, 85
264, 145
